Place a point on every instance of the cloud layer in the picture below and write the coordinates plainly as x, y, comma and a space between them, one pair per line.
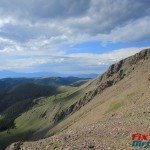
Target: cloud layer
33, 32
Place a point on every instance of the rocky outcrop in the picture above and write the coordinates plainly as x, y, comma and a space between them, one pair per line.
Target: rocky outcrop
83, 101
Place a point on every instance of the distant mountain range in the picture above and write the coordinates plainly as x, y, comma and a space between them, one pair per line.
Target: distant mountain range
12, 74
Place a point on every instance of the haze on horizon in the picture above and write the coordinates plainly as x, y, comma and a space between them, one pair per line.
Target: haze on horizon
71, 36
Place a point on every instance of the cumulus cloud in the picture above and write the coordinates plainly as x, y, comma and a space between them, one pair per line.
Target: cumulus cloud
72, 19
32, 32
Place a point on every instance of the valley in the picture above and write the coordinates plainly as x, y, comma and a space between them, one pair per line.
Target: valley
27, 103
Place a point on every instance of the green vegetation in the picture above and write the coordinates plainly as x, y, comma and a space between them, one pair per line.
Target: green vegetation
114, 106
27, 123
28, 106
30, 115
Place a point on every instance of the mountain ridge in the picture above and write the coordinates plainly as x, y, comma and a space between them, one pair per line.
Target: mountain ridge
11, 74
106, 80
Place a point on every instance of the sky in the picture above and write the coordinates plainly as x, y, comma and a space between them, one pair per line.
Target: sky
71, 36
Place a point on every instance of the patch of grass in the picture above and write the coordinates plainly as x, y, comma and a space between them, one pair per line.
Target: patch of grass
114, 106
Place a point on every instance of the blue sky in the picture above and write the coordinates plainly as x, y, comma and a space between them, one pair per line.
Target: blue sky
100, 47
71, 36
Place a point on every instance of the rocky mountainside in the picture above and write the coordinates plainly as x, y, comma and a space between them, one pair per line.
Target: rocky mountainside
115, 73
111, 108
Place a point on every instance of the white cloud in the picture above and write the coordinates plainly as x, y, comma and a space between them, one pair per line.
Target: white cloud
32, 33
89, 59
134, 31
5, 20
75, 21
75, 61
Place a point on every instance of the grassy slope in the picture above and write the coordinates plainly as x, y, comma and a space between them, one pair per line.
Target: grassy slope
25, 124
109, 119
37, 117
